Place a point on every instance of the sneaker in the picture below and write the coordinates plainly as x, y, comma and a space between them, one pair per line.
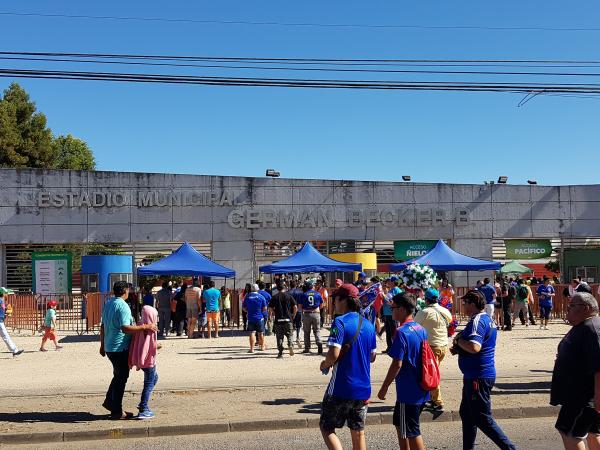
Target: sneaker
541, 327
437, 408
545, 328
18, 352
291, 350
279, 355
145, 415
306, 350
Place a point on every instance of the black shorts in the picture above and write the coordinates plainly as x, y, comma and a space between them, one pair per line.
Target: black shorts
545, 312
259, 327
335, 412
577, 421
406, 419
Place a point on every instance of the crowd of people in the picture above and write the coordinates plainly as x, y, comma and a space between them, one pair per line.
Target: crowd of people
420, 332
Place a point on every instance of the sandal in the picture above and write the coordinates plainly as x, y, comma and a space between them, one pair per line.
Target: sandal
123, 416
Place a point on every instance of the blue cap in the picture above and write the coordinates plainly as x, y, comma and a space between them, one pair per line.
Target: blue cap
432, 294
362, 275
394, 278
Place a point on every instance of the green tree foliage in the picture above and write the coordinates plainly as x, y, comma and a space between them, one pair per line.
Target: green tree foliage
72, 153
26, 141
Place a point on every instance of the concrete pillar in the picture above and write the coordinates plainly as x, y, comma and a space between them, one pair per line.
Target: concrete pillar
477, 248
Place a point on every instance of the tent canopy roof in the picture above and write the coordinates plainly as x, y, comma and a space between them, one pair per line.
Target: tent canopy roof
308, 260
186, 260
442, 257
515, 267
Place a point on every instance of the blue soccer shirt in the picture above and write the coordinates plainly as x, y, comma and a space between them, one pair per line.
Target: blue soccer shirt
351, 375
481, 330
311, 300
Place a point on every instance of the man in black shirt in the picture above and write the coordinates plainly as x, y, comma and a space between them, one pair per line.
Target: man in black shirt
576, 377
283, 309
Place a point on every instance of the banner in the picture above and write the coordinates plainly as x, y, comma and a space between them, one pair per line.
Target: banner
405, 250
51, 273
528, 248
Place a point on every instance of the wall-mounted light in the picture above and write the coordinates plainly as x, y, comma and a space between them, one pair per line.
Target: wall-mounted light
272, 173
531, 181
502, 179
405, 177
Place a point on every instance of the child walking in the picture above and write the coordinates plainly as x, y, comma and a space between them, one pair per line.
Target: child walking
50, 326
142, 355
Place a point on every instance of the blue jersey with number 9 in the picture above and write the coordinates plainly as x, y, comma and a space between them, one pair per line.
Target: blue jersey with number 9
311, 300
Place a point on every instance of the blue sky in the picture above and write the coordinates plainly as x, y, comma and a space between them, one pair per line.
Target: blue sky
340, 134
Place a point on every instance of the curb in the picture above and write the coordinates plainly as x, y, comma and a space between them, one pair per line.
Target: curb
260, 425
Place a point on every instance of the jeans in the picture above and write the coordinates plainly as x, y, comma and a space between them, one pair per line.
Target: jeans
390, 330
283, 330
476, 412
114, 395
150, 380
6, 338
311, 320
164, 319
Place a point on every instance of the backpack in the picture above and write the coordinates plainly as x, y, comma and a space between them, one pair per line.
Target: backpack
522, 293
430, 369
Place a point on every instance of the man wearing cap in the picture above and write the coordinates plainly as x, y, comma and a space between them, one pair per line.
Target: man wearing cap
361, 281
435, 319
388, 321
3, 331
475, 347
311, 303
576, 375
352, 349
283, 310
255, 306
489, 292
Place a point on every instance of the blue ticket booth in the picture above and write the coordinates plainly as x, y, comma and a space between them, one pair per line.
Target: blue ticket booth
100, 272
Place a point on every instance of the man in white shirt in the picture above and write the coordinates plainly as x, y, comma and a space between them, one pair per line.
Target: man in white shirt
435, 319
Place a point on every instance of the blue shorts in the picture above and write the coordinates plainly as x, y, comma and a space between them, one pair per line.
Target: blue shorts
545, 312
406, 419
253, 326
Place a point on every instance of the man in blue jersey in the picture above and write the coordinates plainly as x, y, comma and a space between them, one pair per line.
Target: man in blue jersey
352, 349
296, 292
255, 306
389, 322
406, 369
267, 296
475, 347
489, 292
545, 294
310, 304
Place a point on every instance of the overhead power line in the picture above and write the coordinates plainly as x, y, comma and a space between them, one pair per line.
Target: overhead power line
297, 24
564, 88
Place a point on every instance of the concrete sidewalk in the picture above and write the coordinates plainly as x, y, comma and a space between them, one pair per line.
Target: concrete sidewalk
214, 386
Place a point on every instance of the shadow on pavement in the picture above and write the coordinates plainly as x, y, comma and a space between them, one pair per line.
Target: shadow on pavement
283, 401
76, 338
533, 387
541, 371
55, 417
315, 408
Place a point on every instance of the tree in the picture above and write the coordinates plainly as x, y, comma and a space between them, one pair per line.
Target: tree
25, 141
72, 153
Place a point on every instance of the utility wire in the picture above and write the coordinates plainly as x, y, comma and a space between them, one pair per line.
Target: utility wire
298, 24
314, 69
564, 88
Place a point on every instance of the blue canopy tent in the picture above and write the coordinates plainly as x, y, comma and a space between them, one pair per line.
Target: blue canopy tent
443, 258
308, 260
186, 260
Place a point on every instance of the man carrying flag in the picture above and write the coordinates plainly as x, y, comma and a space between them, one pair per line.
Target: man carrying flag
371, 301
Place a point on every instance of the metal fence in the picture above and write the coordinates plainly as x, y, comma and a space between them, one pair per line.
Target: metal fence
75, 313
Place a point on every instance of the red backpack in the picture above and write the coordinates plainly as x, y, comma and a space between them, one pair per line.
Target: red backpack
430, 370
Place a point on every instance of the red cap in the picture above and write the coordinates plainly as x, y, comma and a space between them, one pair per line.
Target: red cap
347, 290
52, 303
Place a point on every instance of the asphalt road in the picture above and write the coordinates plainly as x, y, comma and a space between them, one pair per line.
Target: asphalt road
528, 434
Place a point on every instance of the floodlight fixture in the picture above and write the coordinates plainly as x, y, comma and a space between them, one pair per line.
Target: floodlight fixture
502, 179
272, 173
405, 177
531, 182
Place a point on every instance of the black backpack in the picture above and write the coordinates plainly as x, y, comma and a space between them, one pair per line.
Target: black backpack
522, 293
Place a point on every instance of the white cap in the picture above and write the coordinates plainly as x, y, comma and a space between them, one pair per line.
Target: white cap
255, 288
